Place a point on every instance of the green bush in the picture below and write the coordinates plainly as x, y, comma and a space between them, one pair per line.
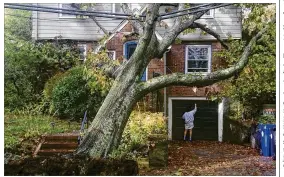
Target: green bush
72, 96
29, 65
266, 119
135, 136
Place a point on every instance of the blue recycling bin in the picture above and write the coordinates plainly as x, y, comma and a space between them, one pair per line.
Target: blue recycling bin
273, 141
267, 148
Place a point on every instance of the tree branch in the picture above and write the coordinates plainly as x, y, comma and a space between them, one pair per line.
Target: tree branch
93, 18
99, 25
173, 32
137, 25
201, 80
211, 32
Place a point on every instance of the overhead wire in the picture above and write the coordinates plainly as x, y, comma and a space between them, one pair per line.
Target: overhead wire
108, 14
196, 11
184, 10
72, 10
70, 13
54, 19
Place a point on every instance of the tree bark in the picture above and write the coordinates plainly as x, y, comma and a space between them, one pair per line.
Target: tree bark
106, 130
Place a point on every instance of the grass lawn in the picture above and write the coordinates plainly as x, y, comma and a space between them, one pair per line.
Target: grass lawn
24, 130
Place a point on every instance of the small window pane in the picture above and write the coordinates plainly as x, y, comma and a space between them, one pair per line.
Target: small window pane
83, 51
208, 14
117, 8
82, 56
111, 55
198, 64
197, 53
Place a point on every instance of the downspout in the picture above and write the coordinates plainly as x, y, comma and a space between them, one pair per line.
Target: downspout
35, 26
165, 88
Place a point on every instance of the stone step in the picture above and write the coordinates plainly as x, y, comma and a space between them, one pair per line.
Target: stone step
50, 152
59, 145
61, 138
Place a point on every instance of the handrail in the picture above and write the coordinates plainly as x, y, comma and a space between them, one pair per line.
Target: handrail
82, 127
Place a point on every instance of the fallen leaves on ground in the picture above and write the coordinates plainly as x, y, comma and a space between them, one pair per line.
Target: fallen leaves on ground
214, 159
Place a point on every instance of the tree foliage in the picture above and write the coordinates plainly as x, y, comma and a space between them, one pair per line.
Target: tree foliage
16, 27
29, 65
72, 95
255, 85
82, 88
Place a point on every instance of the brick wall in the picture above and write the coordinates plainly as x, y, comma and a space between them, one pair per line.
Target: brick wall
175, 63
116, 43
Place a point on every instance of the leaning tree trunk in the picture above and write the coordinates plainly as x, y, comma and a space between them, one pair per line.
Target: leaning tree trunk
106, 129
108, 125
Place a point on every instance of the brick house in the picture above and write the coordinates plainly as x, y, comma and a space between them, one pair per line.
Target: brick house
194, 53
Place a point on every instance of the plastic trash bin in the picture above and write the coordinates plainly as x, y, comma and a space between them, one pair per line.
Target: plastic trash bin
265, 140
257, 137
273, 142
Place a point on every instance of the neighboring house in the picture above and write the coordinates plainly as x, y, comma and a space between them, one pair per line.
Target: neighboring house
193, 54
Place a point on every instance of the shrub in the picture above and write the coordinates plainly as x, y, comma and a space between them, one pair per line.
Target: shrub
266, 119
50, 84
29, 65
72, 96
135, 136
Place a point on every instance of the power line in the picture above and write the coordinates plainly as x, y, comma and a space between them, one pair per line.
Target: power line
184, 10
109, 15
71, 10
53, 19
70, 13
196, 11
113, 17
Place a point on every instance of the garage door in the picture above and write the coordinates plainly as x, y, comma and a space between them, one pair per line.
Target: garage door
205, 123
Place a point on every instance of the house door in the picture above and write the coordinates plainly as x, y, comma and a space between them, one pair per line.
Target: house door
129, 50
205, 123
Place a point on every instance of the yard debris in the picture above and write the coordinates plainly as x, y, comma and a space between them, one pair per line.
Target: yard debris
213, 158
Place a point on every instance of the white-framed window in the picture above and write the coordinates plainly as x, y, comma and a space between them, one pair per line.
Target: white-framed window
116, 8
208, 14
83, 51
66, 6
198, 59
111, 54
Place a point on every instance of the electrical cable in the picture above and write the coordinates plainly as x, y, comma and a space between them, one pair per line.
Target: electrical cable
70, 13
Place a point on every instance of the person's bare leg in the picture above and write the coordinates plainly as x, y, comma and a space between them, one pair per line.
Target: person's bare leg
190, 134
184, 134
